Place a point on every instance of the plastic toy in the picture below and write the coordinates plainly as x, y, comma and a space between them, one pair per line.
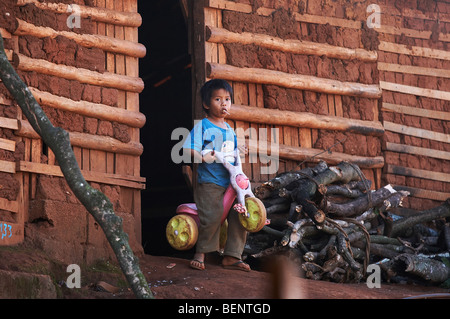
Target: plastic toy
182, 229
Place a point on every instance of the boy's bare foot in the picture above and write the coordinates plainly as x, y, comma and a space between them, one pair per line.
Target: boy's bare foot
198, 262
229, 262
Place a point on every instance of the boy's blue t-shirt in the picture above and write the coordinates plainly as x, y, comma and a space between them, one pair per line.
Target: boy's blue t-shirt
207, 136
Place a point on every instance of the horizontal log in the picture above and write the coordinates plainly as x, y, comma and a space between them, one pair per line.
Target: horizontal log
408, 149
403, 224
9, 54
339, 22
416, 111
381, 239
412, 69
385, 251
7, 167
300, 154
390, 11
411, 33
304, 119
8, 145
90, 176
301, 17
99, 111
230, 5
319, 19
294, 81
431, 270
312, 155
423, 193
105, 43
358, 206
11, 206
284, 179
353, 189
220, 35
89, 141
408, 89
127, 19
414, 50
420, 173
8, 123
105, 143
5, 101
417, 132
5, 34
106, 79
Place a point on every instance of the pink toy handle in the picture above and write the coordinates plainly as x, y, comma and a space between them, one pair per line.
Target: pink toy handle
228, 200
191, 208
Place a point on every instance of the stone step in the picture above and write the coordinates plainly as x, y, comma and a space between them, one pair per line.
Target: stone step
20, 285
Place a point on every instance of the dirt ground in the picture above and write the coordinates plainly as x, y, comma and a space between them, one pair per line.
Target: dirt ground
172, 278
214, 282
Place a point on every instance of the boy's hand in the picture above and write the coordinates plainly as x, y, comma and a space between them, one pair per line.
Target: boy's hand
243, 150
209, 157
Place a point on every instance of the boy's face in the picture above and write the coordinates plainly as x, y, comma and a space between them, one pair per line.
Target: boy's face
220, 104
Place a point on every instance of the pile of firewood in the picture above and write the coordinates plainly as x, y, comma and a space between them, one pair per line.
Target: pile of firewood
329, 221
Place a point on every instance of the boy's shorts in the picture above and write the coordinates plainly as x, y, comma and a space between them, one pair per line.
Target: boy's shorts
209, 200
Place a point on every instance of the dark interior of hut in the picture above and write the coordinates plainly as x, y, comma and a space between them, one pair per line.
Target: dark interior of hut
166, 103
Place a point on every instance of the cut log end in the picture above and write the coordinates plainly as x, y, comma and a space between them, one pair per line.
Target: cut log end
319, 217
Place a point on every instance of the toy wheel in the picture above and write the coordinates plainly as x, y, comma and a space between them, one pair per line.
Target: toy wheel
182, 232
257, 212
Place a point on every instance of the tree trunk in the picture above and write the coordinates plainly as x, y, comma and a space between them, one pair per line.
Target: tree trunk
96, 203
383, 196
427, 268
404, 224
283, 180
351, 190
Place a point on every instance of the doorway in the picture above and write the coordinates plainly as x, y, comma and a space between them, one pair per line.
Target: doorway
166, 102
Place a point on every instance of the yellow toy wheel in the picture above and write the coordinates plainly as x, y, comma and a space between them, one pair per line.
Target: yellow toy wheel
257, 211
182, 232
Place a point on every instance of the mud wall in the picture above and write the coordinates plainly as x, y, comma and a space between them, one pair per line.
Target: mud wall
67, 76
414, 144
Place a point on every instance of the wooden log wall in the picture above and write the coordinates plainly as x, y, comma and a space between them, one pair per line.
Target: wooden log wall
308, 67
414, 67
87, 80
267, 64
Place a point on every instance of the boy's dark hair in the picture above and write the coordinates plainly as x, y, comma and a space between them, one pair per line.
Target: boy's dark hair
212, 85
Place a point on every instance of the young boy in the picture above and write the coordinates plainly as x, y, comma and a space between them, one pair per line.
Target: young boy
213, 133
